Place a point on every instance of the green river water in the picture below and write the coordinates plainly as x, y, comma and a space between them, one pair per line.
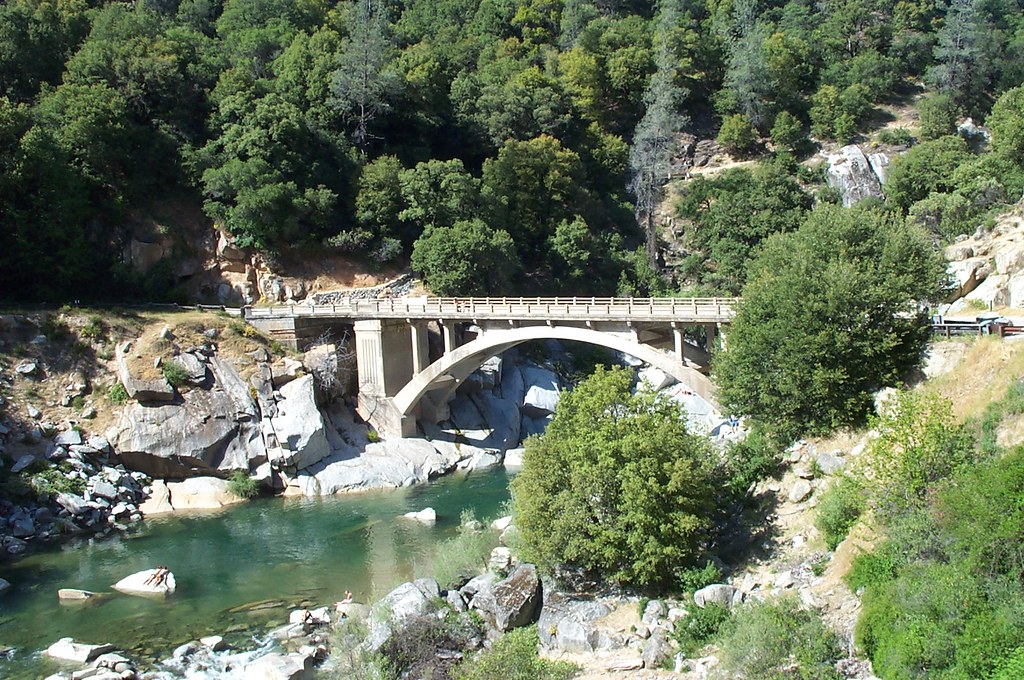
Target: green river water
239, 571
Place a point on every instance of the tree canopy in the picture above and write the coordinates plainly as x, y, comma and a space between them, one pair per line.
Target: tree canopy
616, 485
829, 315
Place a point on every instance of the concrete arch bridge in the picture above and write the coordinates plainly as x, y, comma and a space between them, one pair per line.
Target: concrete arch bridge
401, 382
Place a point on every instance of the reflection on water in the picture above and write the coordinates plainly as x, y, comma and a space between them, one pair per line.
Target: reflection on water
237, 570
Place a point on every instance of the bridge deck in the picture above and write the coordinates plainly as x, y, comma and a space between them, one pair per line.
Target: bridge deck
683, 310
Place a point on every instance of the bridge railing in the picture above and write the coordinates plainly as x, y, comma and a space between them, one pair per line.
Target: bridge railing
710, 309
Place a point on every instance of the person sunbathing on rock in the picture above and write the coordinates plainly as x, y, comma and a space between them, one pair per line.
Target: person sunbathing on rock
157, 578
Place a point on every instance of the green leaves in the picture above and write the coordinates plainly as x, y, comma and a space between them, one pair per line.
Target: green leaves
616, 485
828, 317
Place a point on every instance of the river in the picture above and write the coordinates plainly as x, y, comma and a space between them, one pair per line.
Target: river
239, 571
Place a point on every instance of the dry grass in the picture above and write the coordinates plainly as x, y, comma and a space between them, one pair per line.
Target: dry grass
988, 369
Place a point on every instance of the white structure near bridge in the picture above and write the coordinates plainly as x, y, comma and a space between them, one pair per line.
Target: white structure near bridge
399, 383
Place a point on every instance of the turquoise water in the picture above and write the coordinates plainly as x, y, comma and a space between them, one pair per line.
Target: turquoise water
239, 571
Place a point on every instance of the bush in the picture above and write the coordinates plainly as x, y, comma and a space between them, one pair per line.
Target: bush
779, 640
925, 168
788, 131
174, 373
896, 137
94, 328
918, 444
693, 579
242, 485
737, 135
839, 508
118, 394
754, 458
616, 486
513, 656
458, 559
937, 114
949, 600
699, 627
424, 649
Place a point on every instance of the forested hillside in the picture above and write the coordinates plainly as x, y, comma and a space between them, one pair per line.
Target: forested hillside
502, 145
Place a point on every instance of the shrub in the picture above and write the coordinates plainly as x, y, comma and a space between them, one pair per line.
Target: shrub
876, 567
243, 485
754, 458
514, 657
458, 559
918, 444
118, 394
54, 328
787, 131
423, 650
175, 374
54, 481
839, 508
925, 168
937, 114
692, 579
699, 627
617, 485
94, 328
779, 640
896, 137
737, 135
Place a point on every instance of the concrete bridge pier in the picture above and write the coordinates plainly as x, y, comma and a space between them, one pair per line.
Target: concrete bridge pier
389, 353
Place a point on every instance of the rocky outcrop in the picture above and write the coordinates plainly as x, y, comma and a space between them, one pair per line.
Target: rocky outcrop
511, 602
855, 176
208, 429
142, 390
298, 427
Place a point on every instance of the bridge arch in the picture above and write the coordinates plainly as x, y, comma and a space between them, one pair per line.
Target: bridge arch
458, 364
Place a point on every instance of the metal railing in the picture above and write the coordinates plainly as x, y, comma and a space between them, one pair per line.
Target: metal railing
555, 308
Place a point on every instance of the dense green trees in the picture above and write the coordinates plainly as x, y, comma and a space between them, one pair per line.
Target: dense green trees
616, 485
943, 590
273, 112
828, 316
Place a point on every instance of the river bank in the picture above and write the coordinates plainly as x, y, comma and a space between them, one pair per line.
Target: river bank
240, 571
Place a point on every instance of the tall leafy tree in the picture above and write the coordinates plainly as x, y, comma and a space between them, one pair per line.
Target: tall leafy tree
829, 315
963, 52
363, 84
616, 486
656, 136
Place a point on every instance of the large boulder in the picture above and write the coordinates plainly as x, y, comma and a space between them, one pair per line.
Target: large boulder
389, 614
852, 174
280, 667
566, 622
716, 593
201, 493
145, 583
541, 391
209, 429
299, 426
512, 602
66, 649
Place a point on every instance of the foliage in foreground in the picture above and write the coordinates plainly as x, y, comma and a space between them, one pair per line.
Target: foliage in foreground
460, 558
779, 640
946, 592
514, 657
828, 317
616, 485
